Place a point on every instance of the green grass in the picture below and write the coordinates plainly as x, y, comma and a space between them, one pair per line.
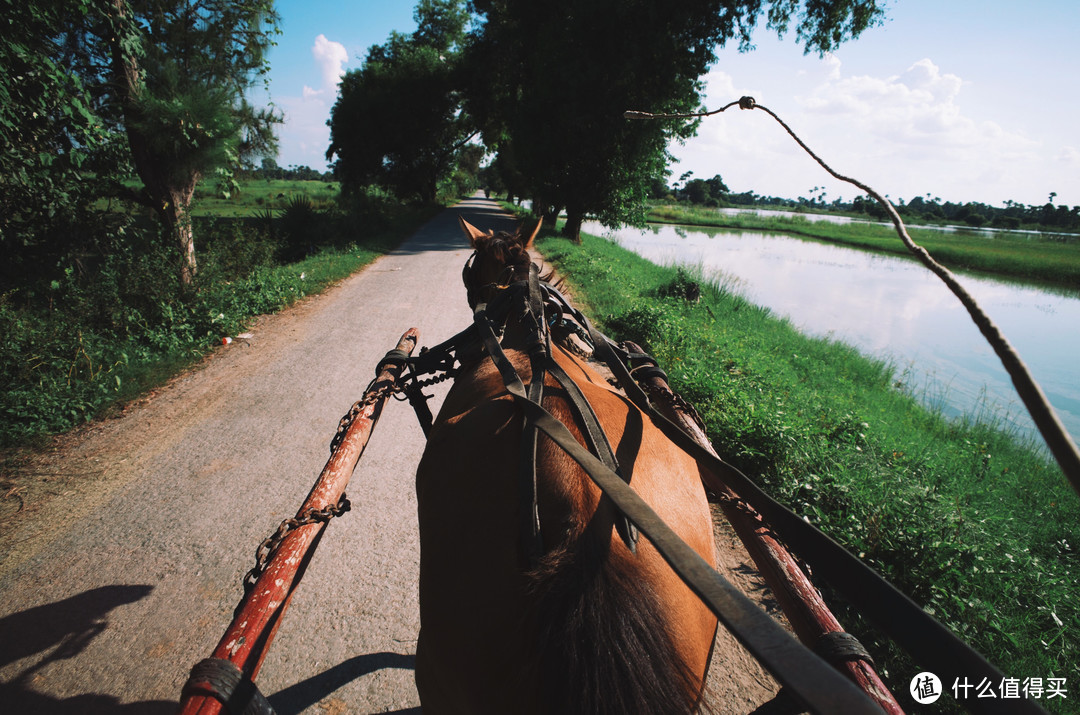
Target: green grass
258, 195
105, 339
978, 528
1029, 257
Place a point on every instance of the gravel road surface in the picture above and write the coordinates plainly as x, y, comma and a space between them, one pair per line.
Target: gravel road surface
124, 568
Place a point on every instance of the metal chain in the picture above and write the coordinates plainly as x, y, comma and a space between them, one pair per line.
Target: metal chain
441, 377
272, 543
371, 396
374, 395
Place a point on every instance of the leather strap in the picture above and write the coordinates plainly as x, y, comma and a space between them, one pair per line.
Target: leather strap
935, 647
932, 645
818, 684
839, 647
598, 443
532, 541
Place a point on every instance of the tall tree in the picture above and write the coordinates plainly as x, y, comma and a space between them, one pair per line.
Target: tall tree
551, 81
179, 71
397, 121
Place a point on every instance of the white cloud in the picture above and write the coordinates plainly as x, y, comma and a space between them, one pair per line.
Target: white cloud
905, 134
331, 57
1069, 155
304, 136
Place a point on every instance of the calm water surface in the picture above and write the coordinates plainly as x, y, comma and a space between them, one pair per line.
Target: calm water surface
894, 309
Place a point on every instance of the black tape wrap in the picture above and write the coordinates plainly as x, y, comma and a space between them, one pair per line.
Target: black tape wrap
838, 647
224, 681
396, 358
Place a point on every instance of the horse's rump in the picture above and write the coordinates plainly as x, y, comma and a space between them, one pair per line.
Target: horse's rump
592, 627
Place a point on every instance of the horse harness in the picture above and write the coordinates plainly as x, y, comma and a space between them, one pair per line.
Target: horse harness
540, 308
803, 672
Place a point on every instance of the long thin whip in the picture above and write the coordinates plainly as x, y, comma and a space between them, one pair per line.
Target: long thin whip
1062, 446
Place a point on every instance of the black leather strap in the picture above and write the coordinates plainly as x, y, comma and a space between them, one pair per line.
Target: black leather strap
820, 686
932, 645
838, 648
597, 441
532, 541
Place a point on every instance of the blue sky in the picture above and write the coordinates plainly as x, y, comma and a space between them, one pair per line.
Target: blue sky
961, 99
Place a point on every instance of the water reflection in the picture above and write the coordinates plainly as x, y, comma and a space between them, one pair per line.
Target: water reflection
894, 309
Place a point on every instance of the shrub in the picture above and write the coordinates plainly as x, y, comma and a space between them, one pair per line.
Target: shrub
300, 226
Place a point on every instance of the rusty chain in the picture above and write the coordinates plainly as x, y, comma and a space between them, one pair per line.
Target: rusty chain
738, 503
374, 394
272, 543
371, 396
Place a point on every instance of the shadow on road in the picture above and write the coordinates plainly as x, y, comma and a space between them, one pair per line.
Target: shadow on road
66, 627
19, 699
443, 234
307, 693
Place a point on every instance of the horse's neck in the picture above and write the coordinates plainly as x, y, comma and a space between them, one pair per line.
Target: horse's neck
516, 334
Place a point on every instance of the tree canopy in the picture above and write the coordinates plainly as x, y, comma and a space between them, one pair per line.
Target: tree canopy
55, 149
546, 84
397, 121
97, 89
551, 82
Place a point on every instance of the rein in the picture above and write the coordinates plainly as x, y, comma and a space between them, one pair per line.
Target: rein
812, 679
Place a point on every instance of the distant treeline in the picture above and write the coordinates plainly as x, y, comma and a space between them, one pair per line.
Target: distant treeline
270, 171
1013, 215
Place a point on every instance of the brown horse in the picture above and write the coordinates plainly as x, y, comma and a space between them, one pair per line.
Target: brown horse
589, 626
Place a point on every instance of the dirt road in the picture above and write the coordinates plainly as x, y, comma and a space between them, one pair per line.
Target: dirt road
113, 586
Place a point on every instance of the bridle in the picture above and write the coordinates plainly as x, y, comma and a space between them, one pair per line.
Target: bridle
537, 306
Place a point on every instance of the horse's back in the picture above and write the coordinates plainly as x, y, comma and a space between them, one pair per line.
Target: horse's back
499, 635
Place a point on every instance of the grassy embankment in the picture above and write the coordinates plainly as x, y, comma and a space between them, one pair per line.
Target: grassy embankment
258, 195
1049, 260
95, 341
980, 530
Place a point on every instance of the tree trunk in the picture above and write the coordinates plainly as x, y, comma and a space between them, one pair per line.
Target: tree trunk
574, 218
171, 199
176, 215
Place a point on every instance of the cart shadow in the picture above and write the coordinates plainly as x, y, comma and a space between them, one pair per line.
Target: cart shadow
61, 631
305, 694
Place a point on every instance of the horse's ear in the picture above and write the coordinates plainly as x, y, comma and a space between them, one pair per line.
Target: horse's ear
471, 231
532, 236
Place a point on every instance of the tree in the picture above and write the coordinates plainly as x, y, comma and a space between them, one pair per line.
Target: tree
717, 187
397, 121
697, 191
55, 149
269, 169
551, 89
179, 72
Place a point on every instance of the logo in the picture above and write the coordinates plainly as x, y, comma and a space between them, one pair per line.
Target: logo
925, 688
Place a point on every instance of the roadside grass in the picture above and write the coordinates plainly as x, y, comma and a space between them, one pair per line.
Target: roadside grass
257, 195
974, 525
99, 342
1045, 259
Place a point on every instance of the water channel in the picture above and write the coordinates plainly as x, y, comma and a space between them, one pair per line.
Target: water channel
894, 309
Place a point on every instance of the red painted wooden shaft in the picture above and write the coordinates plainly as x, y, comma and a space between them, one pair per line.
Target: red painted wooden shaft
248, 637
800, 600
